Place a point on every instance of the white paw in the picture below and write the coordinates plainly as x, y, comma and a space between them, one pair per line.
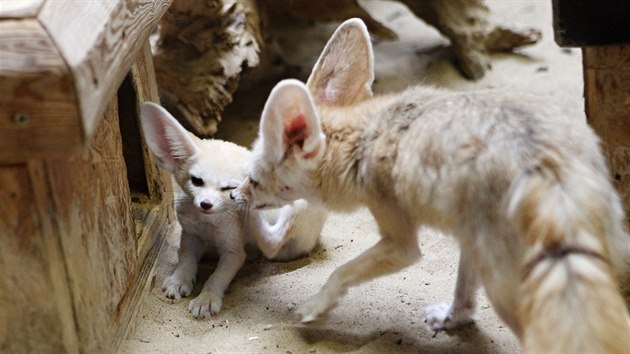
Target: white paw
315, 307
175, 288
441, 317
205, 305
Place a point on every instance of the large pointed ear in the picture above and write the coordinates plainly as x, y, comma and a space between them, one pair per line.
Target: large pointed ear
344, 72
290, 124
171, 144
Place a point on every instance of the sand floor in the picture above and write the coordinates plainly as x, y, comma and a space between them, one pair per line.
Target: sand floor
384, 315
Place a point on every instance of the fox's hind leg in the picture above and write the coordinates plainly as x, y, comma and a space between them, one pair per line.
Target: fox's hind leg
459, 313
397, 249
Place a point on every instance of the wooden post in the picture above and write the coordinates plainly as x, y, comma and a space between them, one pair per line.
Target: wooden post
607, 95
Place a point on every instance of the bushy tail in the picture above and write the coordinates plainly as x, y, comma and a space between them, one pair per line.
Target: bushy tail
572, 226
304, 231
290, 232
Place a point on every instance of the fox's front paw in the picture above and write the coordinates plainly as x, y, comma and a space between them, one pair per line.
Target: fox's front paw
176, 288
205, 305
441, 317
315, 307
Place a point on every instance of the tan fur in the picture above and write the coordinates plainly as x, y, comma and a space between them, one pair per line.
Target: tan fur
517, 180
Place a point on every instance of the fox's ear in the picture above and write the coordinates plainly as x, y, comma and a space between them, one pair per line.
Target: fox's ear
290, 124
171, 144
344, 72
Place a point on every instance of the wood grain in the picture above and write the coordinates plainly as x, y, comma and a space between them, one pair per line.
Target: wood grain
143, 88
607, 94
29, 319
19, 8
91, 202
111, 34
153, 212
38, 114
74, 259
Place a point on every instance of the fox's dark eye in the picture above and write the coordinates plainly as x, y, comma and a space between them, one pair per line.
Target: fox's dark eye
228, 188
253, 182
196, 181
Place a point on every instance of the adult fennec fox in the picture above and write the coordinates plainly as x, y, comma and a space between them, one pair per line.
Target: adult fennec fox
519, 182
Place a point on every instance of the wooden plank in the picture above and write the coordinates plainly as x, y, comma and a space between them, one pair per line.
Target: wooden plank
61, 295
29, 320
112, 33
153, 212
19, 8
91, 203
144, 82
607, 94
38, 114
148, 183
154, 228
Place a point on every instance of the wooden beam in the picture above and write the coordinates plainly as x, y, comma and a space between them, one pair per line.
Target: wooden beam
30, 318
607, 95
153, 212
20, 9
99, 45
55, 262
146, 89
38, 103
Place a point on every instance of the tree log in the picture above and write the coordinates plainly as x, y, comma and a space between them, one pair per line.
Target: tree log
202, 48
472, 36
203, 45
464, 22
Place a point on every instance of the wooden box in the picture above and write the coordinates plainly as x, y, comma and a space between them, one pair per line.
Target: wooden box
83, 206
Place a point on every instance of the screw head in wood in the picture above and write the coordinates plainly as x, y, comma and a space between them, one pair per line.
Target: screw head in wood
22, 119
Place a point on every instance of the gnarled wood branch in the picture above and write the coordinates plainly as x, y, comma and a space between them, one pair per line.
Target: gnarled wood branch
464, 22
202, 49
204, 45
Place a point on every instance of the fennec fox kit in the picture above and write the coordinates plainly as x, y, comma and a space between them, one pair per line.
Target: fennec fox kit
206, 171
520, 183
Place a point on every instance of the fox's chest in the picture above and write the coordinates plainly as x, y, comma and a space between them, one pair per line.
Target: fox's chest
219, 231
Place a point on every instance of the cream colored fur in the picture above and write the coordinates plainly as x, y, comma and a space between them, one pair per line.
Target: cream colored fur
206, 171
521, 184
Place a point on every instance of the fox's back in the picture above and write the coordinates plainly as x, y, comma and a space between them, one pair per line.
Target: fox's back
457, 152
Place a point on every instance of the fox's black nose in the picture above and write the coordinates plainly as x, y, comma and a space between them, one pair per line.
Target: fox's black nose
205, 205
232, 195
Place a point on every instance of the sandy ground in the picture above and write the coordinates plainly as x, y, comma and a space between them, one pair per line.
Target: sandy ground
384, 315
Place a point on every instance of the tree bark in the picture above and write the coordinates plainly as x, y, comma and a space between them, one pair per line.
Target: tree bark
202, 48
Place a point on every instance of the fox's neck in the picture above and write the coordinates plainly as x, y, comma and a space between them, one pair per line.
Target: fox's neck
338, 178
